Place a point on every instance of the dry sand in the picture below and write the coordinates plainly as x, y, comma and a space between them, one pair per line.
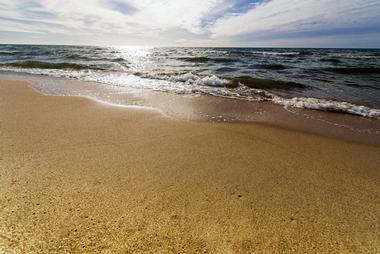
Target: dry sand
80, 177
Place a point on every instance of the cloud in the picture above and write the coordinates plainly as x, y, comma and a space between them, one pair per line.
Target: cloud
142, 17
184, 22
276, 17
120, 6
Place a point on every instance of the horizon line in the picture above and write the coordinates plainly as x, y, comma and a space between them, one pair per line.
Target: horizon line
171, 46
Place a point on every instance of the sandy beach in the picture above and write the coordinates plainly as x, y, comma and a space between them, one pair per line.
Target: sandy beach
78, 176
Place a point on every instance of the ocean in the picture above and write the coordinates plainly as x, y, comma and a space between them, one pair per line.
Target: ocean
338, 80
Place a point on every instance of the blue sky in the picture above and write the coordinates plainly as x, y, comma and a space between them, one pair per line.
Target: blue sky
260, 23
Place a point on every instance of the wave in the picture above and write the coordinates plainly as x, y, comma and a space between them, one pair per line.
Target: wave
242, 88
264, 83
192, 79
319, 104
10, 53
225, 69
224, 60
269, 66
46, 65
355, 56
194, 59
271, 53
118, 60
256, 87
187, 79
240, 53
353, 84
355, 70
276, 53
77, 57
331, 60
207, 59
214, 81
305, 53
328, 105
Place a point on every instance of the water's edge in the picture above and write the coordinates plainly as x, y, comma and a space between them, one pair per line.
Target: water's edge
214, 109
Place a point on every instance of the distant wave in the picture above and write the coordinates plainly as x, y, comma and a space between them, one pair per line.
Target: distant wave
331, 60
78, 57
276, 53
224, 60
103, 66
46, 65
269, 66
225, 69
118, 60
194, 59
207, 59
355, 70
356, 56
10, 53
92, 58
270, 53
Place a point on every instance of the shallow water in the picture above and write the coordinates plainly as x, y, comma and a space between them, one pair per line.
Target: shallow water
339, 80
200, 107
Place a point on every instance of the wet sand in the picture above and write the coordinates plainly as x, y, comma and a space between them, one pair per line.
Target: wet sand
77, 176
197, 107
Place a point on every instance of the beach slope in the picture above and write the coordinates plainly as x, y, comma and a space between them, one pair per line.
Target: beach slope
77, 176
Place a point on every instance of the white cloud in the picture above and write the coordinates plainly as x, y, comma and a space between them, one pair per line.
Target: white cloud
88, 15
299, 16
169, 14
181, 22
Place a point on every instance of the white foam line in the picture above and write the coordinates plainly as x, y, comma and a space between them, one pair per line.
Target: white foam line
190, 83
127, 106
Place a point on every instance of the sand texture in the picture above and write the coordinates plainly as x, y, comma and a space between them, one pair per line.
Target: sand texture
77, 176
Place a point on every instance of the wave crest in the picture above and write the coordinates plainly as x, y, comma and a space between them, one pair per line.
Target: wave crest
192, 79
190, 83
355, 70
46, 65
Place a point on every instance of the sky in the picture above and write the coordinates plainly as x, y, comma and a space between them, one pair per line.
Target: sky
221, 23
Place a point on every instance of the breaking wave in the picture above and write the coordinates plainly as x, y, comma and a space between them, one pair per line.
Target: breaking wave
242, 88
328, 105
46, 65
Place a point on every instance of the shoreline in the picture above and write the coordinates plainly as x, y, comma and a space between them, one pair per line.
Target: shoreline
79, 176
206, 108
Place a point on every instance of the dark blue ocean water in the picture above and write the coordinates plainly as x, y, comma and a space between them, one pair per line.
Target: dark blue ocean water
341, 80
